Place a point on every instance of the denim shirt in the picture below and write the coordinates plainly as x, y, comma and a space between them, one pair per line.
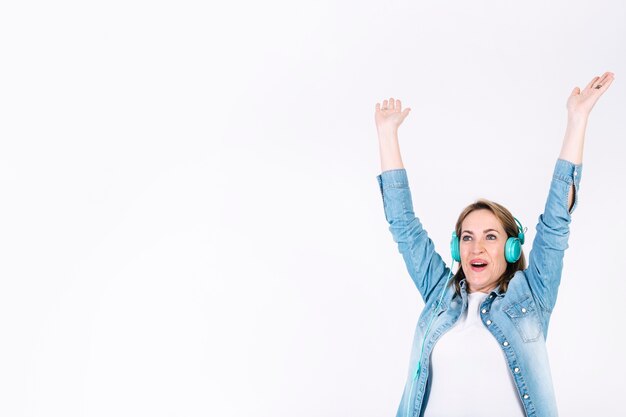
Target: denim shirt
518, 318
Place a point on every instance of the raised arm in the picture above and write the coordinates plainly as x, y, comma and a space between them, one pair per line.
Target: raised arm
579, 105
425, 266
546, 257
388, 118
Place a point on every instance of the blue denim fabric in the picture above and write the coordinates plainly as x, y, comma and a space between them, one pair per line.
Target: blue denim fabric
518, 318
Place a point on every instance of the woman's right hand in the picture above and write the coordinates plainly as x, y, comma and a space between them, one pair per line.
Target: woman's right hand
580, 102
390, 116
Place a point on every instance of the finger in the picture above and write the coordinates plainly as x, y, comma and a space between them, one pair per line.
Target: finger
392, 104
606, 75
385, 105
597, 84
377, 106
590, 85
404, 114
605, 84
398, 105
606, 79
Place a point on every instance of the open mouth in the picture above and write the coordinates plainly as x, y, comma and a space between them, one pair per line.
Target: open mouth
478, 266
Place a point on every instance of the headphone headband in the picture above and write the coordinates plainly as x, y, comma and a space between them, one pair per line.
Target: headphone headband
520, 229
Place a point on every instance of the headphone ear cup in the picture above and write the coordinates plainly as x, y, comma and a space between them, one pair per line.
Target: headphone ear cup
455, 248
512, 249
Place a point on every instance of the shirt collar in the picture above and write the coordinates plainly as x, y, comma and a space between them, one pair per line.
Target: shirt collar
496, 292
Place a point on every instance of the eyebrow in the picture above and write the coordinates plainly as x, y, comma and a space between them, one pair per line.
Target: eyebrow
485, 231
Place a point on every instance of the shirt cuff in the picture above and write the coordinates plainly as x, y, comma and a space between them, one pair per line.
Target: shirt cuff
568, 172
393, 178
396, 195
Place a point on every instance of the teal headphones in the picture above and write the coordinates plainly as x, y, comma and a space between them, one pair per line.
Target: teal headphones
512, 248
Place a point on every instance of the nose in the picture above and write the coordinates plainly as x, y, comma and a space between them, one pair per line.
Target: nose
477, 246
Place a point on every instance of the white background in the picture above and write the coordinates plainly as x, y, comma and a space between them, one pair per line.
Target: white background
190, 219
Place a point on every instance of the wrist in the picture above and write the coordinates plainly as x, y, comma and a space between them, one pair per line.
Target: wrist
388, 133
577, 118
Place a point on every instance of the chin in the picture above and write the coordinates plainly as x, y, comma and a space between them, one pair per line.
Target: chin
479, 283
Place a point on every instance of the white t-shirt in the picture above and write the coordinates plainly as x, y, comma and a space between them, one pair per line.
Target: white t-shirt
470, 375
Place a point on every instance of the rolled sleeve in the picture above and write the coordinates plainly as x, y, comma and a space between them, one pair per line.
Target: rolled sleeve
570, 173
396, 195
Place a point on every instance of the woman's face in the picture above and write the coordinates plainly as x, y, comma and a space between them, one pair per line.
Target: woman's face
482, 243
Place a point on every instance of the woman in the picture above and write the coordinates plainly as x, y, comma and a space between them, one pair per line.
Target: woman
479, 345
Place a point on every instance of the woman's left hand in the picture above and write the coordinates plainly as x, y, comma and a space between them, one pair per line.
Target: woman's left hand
580, 103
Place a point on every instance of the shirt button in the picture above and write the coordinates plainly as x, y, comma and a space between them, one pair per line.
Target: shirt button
488, 322
516, 370
523, 310
505, 343
525, 396
491, 296
484, 310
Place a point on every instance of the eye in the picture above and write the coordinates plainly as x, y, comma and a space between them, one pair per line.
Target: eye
466, 238
491, 237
